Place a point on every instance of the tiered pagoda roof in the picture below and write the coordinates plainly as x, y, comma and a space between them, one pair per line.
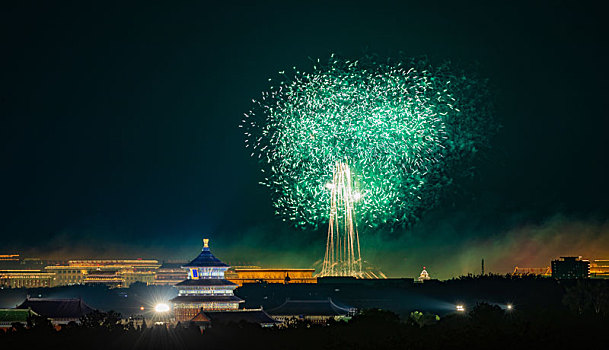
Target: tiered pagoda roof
205, 282
206, 259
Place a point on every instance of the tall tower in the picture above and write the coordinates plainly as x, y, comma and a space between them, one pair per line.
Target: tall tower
342, 256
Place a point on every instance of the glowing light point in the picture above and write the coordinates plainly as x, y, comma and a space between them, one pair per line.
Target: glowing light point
424, 276
161, 308
460, 308
510, 306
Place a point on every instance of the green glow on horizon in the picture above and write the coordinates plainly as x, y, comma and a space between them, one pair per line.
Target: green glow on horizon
400, 126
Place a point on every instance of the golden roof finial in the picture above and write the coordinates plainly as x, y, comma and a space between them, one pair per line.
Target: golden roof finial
205, 243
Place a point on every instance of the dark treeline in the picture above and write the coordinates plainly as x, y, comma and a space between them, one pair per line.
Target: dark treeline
402, 297
560, 314
580, 320
485, 326
528, 292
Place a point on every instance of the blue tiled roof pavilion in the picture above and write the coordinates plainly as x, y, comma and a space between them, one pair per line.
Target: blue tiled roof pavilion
205, 289
205, 258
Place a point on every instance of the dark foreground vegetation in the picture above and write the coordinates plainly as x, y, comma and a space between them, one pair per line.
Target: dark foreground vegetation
486, 326
578, 319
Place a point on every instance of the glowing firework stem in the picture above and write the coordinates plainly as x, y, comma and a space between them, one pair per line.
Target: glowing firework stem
343, 256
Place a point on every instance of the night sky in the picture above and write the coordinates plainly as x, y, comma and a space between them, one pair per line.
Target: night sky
119, 128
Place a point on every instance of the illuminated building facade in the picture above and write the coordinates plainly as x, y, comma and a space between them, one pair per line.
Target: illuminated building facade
532, 271
113, 273
205, 288
66, 275
599, 268
258, 275
170, 274
9, 258
570, 267
25, 279
110, 278
135, 264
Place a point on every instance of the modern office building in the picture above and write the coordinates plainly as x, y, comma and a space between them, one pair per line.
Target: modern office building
570, 267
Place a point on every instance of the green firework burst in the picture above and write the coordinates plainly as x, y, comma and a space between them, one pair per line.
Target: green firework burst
403, 128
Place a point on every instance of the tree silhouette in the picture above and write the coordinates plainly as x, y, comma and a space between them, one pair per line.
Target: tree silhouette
110, 320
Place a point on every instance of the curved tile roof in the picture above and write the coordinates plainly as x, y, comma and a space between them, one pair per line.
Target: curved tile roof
206, 259
325, 307
57, 308
204, 299
206, 282
236, 316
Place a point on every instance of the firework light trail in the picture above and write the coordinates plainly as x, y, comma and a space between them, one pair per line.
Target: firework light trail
403, 127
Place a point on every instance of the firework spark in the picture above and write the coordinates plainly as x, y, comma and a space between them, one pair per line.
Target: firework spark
402, 127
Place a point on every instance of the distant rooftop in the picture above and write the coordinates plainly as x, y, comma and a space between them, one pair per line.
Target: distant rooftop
57, 308
325, 307
171, 265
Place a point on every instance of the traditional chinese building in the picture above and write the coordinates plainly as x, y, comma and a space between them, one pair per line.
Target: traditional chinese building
315, 311
170, 274
278, 275
205, 288
58, 311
